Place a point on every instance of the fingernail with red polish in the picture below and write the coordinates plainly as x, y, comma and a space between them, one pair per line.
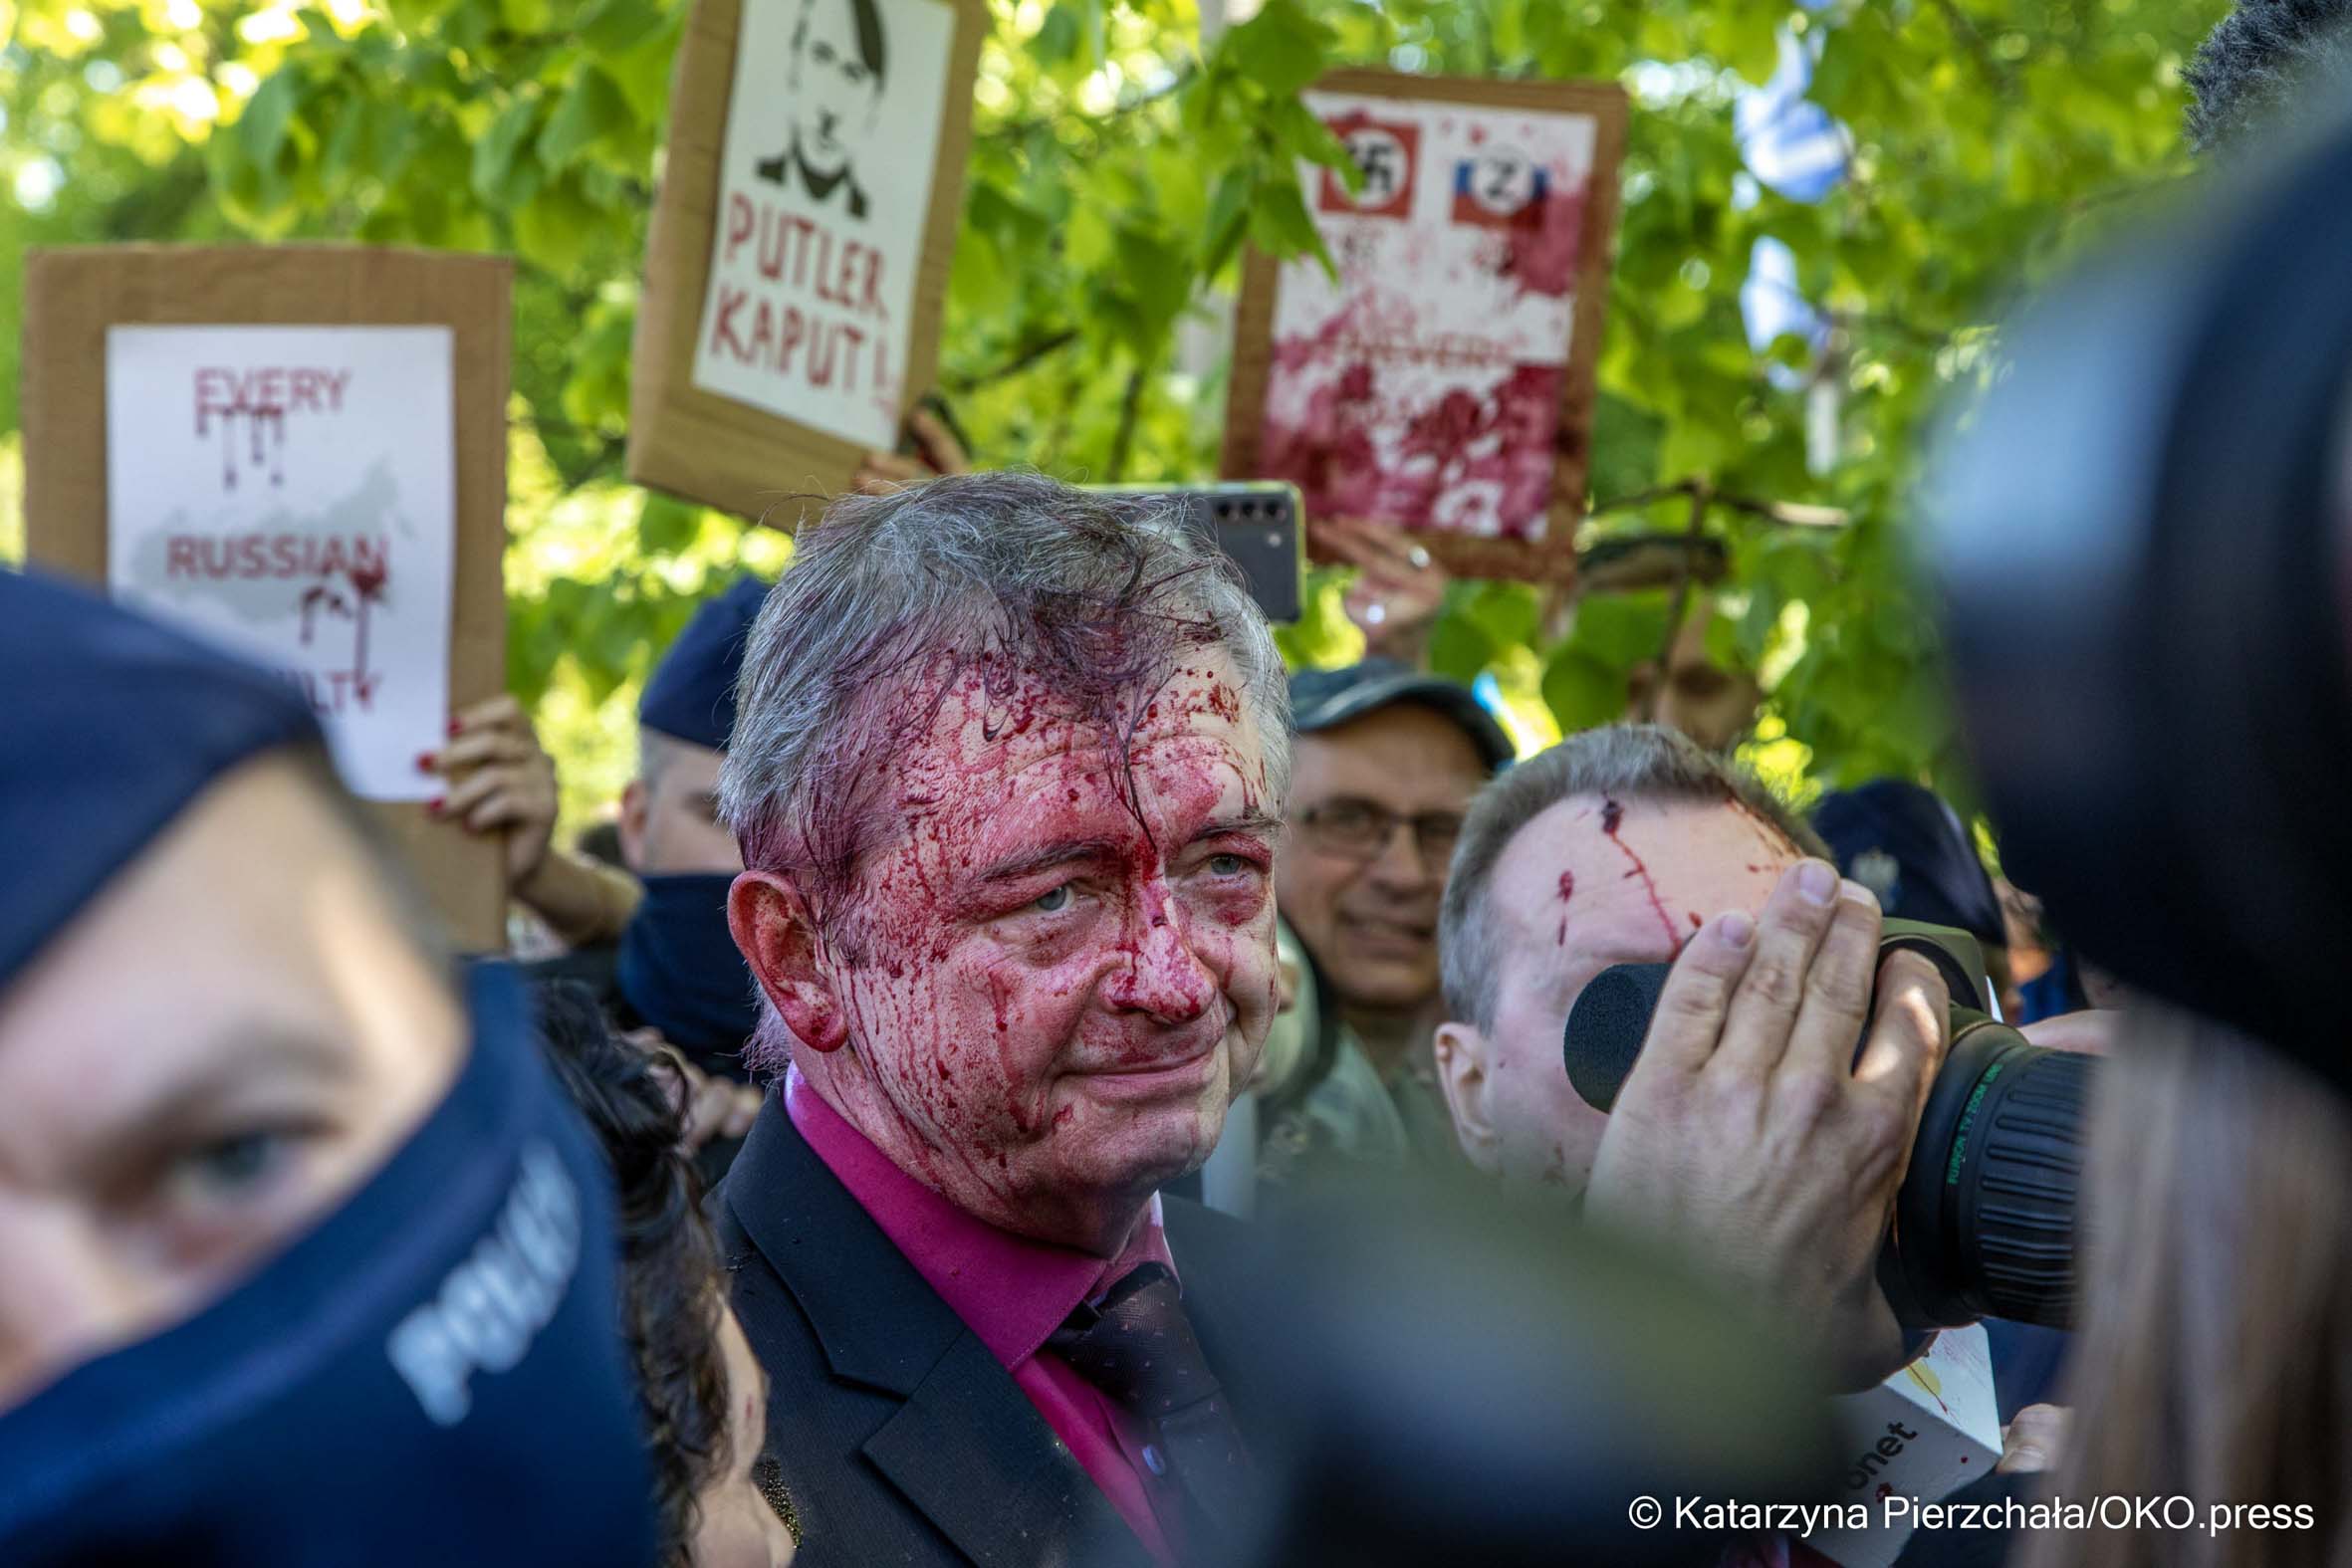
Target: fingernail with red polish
426, 760
456, 725
434, 806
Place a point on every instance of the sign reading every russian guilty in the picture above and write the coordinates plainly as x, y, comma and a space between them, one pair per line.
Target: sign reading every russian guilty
289, 492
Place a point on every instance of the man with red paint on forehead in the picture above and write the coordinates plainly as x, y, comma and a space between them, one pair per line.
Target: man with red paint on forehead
1748, 1134
1008, 770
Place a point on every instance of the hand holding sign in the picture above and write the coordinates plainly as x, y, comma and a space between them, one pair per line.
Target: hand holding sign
1398, 590
501, 780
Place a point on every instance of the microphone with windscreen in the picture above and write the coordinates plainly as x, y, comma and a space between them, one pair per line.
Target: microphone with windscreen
1606, 1028
1985, 1221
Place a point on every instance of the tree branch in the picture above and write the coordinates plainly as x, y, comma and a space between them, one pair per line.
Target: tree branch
1964, 29
1787, 514
1122, 443
1023, 358
1699, 494
1014, 131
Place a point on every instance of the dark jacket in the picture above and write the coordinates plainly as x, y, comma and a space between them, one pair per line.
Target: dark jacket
898, 1435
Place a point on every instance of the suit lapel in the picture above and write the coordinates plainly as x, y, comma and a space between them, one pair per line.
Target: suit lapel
971, 1451
1211, 1250
967, 1449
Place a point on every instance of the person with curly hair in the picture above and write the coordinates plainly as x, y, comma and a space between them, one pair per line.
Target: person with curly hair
703, 1394
2267, 61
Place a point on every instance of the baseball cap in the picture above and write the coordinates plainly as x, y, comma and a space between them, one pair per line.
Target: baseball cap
1324, 699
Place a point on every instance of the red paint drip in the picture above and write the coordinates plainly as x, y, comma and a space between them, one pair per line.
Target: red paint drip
1613, 816
1567, 888
1776, 840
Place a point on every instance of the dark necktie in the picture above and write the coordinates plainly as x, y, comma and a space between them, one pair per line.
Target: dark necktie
1138, 1348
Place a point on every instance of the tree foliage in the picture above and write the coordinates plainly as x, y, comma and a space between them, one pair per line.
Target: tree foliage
1117, 168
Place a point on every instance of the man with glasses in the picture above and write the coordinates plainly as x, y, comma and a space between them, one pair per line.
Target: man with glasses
1385, 762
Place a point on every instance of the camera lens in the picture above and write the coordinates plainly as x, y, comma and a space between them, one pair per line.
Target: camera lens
1984, 1225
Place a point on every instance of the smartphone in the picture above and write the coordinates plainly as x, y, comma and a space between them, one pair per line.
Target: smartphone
1259, 525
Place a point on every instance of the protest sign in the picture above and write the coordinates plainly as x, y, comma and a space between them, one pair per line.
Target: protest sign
800, 242
295, 453
1443, 381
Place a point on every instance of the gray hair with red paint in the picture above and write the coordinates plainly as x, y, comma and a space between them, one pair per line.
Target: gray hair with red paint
889, 597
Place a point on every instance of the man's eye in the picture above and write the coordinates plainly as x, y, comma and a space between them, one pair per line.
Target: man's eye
1229, 865
231, 1168
1052, 902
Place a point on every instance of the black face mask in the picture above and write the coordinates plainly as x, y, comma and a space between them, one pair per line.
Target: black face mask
433, 1374
680, 970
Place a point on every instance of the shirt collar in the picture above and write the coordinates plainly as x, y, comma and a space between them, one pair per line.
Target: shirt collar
1009, 1291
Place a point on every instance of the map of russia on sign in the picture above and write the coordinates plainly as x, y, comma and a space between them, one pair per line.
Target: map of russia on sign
289, 493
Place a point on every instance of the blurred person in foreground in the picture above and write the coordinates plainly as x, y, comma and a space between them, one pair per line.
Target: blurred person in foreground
1009, 772
1384, 764
2214, 1355
2215, 1361
703, 1399
2265, 64
303, 1257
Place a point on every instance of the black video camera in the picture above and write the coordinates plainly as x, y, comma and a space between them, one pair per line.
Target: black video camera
1985, 1223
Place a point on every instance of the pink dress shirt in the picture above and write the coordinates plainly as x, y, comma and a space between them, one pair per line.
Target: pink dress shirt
1012, 1292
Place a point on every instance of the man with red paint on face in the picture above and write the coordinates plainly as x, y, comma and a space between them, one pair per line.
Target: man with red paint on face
1749, 1135
1007, 770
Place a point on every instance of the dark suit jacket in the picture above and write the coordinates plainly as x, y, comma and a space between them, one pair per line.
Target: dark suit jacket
900, 1437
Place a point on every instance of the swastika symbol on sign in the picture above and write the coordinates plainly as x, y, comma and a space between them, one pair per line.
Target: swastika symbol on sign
1381, 156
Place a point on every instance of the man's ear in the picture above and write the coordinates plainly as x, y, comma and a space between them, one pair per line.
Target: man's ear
1463, 1062
636, 803
774, 926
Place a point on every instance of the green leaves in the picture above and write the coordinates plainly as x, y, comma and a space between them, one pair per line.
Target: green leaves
1282, 49
269, 113
591, 113
613, 28
1118, 164
497, 154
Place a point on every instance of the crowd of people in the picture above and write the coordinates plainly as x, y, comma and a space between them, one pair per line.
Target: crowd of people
867, 1153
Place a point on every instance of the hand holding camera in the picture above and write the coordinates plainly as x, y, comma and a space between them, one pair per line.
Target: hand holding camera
1751, 1134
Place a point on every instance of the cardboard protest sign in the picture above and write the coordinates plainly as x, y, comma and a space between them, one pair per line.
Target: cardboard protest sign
1444, 380
800, 242
298, 453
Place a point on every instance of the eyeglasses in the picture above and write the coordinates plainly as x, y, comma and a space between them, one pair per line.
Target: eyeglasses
1362, 830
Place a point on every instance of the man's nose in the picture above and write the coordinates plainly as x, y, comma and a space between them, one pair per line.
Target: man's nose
63, 1297
1161, 974
1401, 865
